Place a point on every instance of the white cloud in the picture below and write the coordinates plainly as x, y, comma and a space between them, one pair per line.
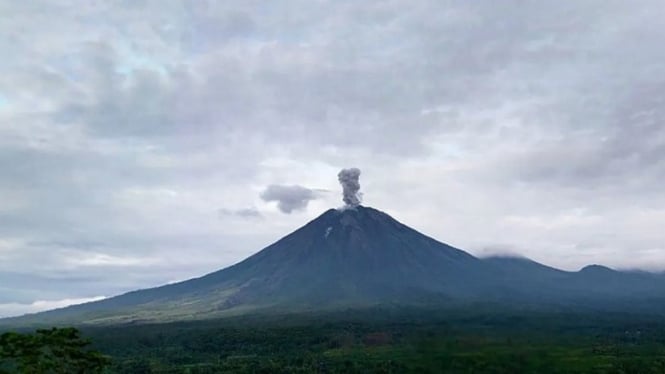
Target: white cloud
101, 259
17, 309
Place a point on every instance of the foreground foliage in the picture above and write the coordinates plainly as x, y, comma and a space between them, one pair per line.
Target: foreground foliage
374, 343
49, 351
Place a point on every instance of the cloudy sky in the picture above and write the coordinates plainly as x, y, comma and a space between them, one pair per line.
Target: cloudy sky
146, 142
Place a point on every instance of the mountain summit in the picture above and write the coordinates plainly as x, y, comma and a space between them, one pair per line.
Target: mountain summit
358, 257
354, 255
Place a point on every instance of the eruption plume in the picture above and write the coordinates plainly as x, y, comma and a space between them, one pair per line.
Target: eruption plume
348, 178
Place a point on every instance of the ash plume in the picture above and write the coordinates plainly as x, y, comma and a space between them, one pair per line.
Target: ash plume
348, 178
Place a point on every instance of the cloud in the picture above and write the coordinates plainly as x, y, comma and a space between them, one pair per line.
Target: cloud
289, 198
124, 128
88, 258
17, 309
251, 212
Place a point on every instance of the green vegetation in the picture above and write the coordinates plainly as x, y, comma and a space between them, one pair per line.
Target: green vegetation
49, 351
373, 341
378, 342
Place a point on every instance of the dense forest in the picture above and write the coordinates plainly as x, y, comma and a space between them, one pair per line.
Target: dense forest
382, 341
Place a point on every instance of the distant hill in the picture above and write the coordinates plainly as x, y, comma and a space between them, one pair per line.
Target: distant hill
361, 257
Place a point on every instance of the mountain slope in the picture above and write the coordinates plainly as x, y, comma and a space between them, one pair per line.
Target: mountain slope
594, 286
356, 258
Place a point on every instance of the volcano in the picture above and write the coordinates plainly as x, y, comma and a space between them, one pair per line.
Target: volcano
360, 257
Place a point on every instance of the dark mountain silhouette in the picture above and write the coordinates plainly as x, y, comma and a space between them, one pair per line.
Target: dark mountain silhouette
361, 257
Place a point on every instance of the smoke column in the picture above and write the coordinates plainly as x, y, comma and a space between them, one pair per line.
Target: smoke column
348, 178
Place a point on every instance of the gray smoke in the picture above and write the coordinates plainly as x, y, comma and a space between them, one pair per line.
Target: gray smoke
348, 178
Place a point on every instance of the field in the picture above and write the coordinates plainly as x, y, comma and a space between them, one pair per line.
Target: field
389, 341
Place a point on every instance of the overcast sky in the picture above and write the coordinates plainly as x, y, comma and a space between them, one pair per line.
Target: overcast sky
146, 142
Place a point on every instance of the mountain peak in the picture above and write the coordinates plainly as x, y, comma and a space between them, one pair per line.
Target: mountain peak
357, 217
353, 257
597, 269
356, 256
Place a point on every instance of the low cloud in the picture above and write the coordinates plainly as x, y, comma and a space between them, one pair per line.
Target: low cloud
250, 212
18, 309
289, 198
500, 250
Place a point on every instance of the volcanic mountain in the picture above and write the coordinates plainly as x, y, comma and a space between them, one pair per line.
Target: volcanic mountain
359, 257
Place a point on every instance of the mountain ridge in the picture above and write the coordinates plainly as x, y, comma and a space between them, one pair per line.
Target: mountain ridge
359, 257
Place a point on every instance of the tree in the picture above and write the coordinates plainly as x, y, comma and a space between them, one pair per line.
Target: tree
49, 351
